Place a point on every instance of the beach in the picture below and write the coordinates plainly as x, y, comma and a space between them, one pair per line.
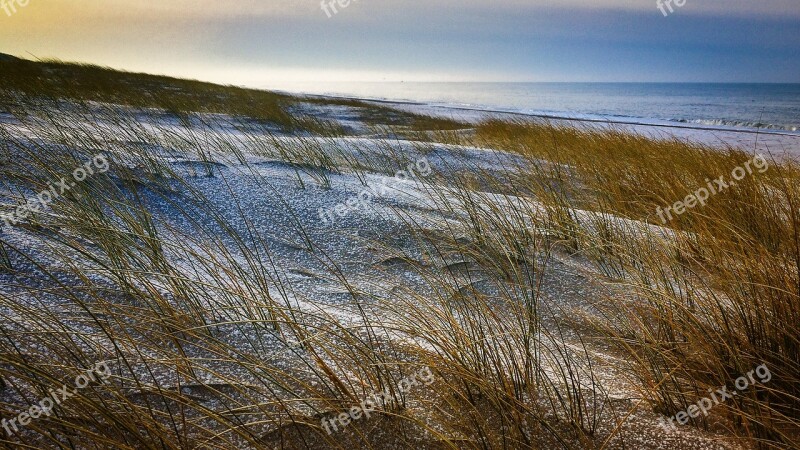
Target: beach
278, 261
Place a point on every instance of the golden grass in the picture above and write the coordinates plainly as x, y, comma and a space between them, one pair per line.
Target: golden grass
719, 292
709, 297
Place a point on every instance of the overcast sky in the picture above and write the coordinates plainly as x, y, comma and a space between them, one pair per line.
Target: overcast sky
265, 43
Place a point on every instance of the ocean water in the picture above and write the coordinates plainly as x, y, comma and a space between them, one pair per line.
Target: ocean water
725, 106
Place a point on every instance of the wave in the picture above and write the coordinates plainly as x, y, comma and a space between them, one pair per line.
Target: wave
742, 124
722, 124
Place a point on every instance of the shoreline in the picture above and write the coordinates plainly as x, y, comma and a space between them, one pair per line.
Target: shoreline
775, 143
657, 123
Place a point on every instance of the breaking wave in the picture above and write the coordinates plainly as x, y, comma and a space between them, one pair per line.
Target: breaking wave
738, 124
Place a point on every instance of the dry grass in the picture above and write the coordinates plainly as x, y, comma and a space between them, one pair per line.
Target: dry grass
103, 277
717, 295
56, 81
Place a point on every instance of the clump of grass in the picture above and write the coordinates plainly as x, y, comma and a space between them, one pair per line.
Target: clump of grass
718, 284
89, 83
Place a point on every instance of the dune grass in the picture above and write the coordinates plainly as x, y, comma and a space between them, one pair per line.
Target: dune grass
716, 288
213, 346
57, 80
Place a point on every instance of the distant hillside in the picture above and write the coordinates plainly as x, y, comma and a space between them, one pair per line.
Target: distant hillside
85, 82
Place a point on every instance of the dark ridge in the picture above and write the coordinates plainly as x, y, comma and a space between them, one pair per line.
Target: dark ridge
57, 80
8, 58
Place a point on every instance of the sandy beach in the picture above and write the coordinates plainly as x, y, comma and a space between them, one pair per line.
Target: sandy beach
279, 274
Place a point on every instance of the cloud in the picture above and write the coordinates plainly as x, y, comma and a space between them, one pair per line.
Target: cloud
772, 8
224, 10
248, 40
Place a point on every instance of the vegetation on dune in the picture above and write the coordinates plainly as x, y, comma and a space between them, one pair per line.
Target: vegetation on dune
715, 297
86, 82
212, 346
374, 114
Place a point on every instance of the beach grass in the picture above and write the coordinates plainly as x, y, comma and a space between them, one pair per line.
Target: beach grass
211, 345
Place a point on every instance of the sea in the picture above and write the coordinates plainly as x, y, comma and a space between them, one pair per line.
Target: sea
704, 105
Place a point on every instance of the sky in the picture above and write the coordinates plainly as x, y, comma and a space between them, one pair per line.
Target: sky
271, 43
